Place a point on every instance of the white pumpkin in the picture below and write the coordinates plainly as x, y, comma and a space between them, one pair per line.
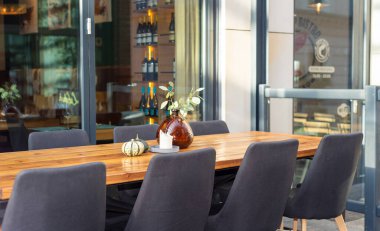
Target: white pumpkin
133, 148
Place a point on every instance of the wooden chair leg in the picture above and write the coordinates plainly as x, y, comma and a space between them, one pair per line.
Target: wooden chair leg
295, 224
340, 223
303, 225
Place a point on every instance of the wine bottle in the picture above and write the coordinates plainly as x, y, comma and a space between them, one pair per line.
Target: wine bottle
155, 102
138, 4
155, 77
143, 5
138, 33
144, 67
142, 103
155, 31
150, 72
172, 29
152, 109
147, 107
168, 2
143, 31
155, 3
148, 33
150, 3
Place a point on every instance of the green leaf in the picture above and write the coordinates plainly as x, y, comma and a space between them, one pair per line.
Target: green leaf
167, 95
199, 89
163, 104
163, 88
196, 100
171, 84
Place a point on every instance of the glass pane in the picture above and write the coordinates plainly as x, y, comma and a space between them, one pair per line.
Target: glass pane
326, 57
139, 46
38, 68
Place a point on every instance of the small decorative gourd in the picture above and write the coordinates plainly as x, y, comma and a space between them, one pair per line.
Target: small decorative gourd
133, 148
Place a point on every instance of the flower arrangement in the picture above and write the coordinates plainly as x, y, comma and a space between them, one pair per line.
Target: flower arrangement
9, 93
183, 104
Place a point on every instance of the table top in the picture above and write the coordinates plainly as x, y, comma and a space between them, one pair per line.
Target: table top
230, 149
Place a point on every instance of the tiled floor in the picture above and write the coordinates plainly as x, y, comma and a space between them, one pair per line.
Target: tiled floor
354, 221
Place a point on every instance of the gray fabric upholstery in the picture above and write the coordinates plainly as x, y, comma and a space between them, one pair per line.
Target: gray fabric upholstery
59, 199
3, 205
176, 193
209, 127
258, 195
324, 191
58, 139
126, 133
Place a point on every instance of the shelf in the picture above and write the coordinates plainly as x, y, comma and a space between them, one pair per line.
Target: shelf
167, 72
144, 11
167, 6
167, 44
145, 46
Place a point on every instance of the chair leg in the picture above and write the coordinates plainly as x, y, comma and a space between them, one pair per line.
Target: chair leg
303, 225
295, 224
281, 226
340, 223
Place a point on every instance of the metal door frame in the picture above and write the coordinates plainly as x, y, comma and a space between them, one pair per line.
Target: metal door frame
370, 95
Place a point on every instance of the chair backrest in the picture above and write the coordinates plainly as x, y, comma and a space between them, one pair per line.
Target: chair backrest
324, 191
58, 139
176, 192
209, 127
125, 133
259, 193
59, 199
18, 134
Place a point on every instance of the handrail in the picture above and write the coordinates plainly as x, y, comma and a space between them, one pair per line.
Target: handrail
342, 94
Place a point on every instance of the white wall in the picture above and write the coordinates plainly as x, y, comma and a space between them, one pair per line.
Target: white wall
375, 44
280, 62
236, 64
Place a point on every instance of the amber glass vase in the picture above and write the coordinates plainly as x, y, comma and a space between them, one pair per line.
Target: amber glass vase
177, 127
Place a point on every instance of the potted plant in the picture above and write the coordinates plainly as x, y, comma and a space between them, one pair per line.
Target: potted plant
176, 124
9, 94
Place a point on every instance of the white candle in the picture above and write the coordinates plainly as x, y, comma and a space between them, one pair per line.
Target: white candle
166, 141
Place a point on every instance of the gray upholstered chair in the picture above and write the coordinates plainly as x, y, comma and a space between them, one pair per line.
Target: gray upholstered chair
323, 193
125, 133
59, 199
258, 195
209, 127
58, 139
176, 193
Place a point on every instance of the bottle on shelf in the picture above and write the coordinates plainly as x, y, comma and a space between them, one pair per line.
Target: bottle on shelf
168, 2
155, 3
152, 109
147, 107
155, 32
138, 33
148, 33
155, 76
144, 67
172, 29
141, 4
143, 32
150, 3
150, 72
142, 103
155, 102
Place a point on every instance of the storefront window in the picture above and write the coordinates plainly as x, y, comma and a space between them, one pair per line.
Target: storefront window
38, 68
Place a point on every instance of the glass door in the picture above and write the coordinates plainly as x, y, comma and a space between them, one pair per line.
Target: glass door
139, 46
39, 69
327, 45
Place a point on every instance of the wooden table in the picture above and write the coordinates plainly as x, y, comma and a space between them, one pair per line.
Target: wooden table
230, 150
